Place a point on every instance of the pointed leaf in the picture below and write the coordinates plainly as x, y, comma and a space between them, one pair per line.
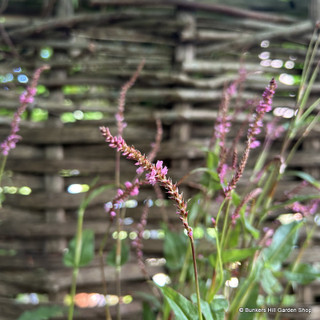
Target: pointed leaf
251, 303
87, 250
183, 308
219, 306
282, 244
233, 255
269, 283
254, 232
205, 307
303, 274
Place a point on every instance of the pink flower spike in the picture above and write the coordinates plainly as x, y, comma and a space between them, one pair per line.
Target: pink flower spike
32, 91
152, 177
128, 184
255, 144
135, 191
159, 164
120, 192
112, 214
140, 170
164, 170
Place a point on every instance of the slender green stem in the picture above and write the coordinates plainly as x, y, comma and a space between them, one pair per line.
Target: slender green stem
183, 273
118, 265
225, 224
3, 165
294, 266
220, 210
73, 292
219, 247
196, 278
77, 257
303, 136
104, 281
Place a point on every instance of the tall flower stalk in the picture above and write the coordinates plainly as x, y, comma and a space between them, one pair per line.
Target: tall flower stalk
264, 106
158, 173
26, 98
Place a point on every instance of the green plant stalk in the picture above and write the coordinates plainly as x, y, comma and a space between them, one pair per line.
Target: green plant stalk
219, 263
245, 289
196, 280
303, 136
118, 242
304, 92
76, 260
297, 261
305, 96
118, 261
225, 223
307, 59
183, 273
104, 281
311, 53
220, 210
3, 165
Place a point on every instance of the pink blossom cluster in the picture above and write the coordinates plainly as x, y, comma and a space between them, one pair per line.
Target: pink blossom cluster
305, 210
26, 98
222, 128
155, 173
10, 142
274, 131
131, 189
265, 105
152, 176
267, 239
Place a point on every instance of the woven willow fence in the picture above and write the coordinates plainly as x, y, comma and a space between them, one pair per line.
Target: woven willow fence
191, 50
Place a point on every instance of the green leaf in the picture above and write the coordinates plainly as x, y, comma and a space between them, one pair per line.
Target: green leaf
250, 302
234, 235
210, 178
147, 313
175, 246
42, 313
233, 255
269, 283
112, 255
205, 307
282, 244
149, 299
183, 308
254, 232
212, 160
87, 250
94, 192
236, 199
219, 306
303, 274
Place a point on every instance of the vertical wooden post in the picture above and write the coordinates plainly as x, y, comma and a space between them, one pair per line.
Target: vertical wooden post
54, 184
185, 51
314, 10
